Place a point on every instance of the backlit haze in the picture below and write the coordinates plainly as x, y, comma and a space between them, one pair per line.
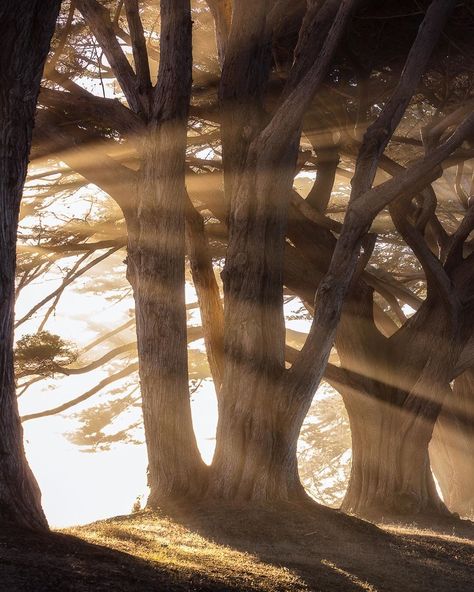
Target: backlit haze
85, 480
82, 480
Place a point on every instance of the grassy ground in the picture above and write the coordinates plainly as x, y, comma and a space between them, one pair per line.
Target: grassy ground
285, 549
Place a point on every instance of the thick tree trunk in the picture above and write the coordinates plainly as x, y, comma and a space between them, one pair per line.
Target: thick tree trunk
390, 473
452, 447
258, 424
156, 268
262, 408
392, 414
257, 438
26, 28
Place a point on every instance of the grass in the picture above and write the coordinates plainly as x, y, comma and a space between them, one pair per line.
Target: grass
217, 549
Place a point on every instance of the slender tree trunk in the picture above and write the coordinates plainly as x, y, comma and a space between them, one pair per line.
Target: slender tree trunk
26, 28
222, 14
451, 449
207, 290
175, 467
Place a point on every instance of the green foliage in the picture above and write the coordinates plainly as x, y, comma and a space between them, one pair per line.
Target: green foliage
41, 353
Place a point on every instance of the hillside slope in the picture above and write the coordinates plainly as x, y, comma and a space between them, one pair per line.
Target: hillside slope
211, 550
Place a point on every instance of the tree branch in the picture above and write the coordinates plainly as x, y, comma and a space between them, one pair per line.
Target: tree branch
140, 54
87, 395
98, 19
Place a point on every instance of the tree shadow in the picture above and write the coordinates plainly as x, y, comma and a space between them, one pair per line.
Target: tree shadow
218, 547
329, 550
47, 562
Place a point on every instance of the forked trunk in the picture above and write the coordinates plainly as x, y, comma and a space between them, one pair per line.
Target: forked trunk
259, 420
257, 439
392, 413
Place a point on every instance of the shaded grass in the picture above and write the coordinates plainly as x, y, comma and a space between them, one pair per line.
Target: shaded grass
230, 548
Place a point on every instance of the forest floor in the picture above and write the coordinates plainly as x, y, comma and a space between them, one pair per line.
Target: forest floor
284, 549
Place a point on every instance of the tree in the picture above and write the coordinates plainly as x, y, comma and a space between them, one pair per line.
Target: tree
267, 85
451, 448
26, 31
156, 267
264, 404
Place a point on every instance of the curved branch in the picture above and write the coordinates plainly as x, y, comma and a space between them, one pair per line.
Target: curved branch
122, 349
438, 282
87, 395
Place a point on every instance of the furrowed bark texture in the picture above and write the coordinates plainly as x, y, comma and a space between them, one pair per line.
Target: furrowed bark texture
26, 28
259, 423
392, 413
207, 290
175, 466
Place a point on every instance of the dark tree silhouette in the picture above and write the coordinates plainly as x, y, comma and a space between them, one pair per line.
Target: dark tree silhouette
26, 28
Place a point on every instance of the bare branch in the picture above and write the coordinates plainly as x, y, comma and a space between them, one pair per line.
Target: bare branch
140, 54
87, 395
110, 355
98, 19
65, 283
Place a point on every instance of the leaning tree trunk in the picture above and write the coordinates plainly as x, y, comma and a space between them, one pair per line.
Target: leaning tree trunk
451, 450
26, 28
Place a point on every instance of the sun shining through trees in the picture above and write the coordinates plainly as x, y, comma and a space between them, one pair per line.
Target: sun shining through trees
99, 467
237, 293
89, 222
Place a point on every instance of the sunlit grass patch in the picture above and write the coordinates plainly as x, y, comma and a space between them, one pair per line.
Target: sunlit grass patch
160, 540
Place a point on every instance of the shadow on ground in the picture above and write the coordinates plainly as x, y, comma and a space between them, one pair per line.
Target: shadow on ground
205, 549
31, 562
329, 551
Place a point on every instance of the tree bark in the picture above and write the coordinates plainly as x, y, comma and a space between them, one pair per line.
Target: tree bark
259, 420
256, 438
391, 472
156, 236
207, 290
451, 449
175, 467
26, 29
392, 414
